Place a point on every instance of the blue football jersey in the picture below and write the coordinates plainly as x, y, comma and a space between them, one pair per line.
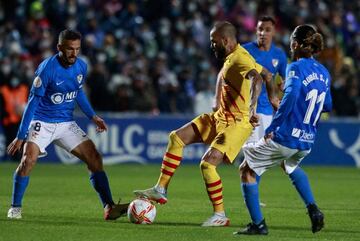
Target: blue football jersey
306, 95
273, 60
58, 87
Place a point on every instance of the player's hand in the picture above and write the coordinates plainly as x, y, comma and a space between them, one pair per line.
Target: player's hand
268, 137
275, 102
100, 124
14, 146
254, 119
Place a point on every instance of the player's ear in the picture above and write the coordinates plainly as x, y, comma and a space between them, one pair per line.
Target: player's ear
224, 41
294, 44
58, 46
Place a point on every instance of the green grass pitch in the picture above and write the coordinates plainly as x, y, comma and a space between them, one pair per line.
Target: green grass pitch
60, 204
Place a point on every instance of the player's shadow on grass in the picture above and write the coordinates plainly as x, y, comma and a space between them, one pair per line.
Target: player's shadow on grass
67, 221
325, 230
185, 224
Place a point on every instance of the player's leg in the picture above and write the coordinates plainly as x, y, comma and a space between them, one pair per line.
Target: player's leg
172, 159
211, 159
301, 183
86, 151
73, 139
177, 141
258, 158
250, 190
39, 137
224, 146
21, 178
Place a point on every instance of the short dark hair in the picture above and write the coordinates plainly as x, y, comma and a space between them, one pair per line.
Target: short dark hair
69, 34
267, 18
225, 28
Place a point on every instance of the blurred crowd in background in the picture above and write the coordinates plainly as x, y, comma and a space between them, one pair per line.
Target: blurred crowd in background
153, 55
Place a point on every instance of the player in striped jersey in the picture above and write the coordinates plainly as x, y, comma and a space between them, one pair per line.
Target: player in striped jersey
225, 130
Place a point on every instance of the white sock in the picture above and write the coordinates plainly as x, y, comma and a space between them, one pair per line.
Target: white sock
160, 189
221, 214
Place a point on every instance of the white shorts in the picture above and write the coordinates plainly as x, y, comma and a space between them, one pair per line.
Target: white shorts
67, 135
263, 155
259, 131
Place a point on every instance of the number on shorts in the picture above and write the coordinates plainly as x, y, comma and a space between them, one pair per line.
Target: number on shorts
37, 126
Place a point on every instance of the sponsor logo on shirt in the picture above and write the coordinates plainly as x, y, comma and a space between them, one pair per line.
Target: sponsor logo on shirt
302, 135
59, 98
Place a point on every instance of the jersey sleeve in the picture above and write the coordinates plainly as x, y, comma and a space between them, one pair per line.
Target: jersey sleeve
27, 116
247, 63
291, 93
328, 99
42, 78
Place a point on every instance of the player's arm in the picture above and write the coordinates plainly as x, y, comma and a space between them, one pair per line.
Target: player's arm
270, 88
328, 99
89, 112
217, 97
292, 89
256, 83
30, 108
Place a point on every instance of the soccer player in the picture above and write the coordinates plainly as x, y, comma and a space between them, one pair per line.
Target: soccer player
273, 59
291, 134
225, 131
48, 118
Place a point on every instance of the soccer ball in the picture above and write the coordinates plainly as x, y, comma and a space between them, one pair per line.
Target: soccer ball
141, 211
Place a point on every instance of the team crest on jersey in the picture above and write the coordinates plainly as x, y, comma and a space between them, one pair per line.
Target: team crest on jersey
275, 62
37, 82
79, 78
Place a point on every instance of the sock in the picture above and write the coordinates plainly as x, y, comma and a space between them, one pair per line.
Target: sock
302, 185
251, 196
213, 185
258, 178
19, 186
171, 160
100, 183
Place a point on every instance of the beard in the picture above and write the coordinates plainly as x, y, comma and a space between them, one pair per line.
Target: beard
220, 52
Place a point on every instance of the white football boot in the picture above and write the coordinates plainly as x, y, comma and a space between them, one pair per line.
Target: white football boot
156, 194
14, 213
216, 221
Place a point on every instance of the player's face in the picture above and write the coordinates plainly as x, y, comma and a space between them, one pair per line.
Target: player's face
217, 44
264, 32
69, 50
293, 48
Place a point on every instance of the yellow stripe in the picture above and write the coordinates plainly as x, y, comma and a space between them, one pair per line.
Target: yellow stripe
214, 188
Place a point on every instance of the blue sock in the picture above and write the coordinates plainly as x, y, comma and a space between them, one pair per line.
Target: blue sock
258, 178
302, 185
251, 196
19, 186
100, 183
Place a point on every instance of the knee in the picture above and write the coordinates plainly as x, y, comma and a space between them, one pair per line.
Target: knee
245, 172
204, 165
94, 161
174, 139
27, 163
172, 135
